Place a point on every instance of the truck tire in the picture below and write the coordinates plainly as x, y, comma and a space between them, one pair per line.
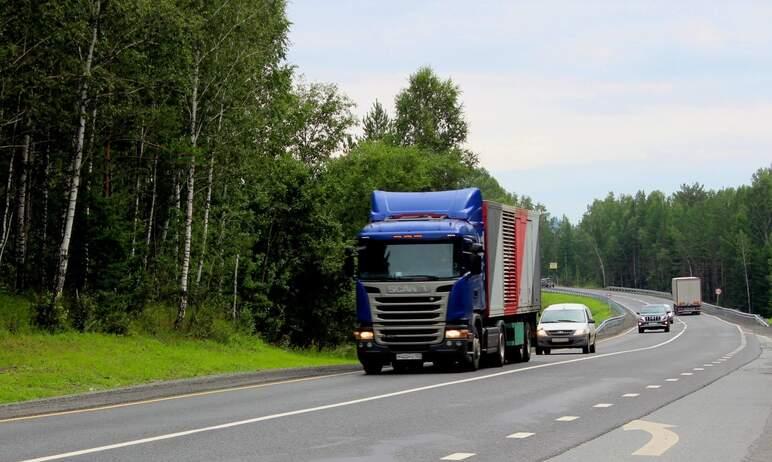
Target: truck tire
499, 357
472, 362
525, 354
372, 367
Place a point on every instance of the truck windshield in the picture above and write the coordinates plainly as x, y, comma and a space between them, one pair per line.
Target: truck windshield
414, 261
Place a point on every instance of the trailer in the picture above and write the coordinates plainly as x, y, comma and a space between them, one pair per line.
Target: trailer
687, 295
446, 277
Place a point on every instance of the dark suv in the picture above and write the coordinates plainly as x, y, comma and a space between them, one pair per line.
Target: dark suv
653, 317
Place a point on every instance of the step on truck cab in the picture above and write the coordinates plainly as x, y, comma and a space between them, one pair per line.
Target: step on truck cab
448, 278
687, 295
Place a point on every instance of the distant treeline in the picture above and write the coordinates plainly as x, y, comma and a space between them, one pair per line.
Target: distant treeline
164, 154
645, 240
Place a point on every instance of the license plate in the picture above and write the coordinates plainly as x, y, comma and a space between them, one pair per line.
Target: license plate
409, 356
559, 340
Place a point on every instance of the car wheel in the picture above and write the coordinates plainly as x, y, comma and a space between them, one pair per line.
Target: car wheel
640, 331
667, 329
547, 351
592, 347
539, 350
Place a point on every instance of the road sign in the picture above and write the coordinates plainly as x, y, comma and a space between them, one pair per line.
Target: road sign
718, 291
553, 265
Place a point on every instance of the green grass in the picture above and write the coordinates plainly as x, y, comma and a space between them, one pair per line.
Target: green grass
600, 310
14, 313
38, 365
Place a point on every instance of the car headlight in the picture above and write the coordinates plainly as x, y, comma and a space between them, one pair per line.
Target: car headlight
582, 331
541, 332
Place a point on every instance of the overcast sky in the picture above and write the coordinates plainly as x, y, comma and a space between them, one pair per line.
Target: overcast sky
567, 101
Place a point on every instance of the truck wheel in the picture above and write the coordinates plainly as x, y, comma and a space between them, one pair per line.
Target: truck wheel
500, 357
472, 362
372, 367
525, 354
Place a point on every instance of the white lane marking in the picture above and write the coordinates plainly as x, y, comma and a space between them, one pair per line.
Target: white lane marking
459, 456
520, 435
653, 386
346, 403
169, 398
699, 369
708, 365
716, 362
687, 373
603, 405
631, 395
567, 418
671, 380
661, 440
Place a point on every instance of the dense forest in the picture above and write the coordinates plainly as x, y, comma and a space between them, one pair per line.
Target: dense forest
644, 240
162, 165
163, 155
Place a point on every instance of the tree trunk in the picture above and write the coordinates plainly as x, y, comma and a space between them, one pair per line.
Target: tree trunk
136, 194
151, 218
744, 253
6, 223
64, 248
189, 208
206, 220
235, 286
44, 227
21, 213
600, 260
90, 171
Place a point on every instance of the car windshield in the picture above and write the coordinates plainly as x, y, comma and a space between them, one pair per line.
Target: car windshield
384, 260
563, 316
653, 309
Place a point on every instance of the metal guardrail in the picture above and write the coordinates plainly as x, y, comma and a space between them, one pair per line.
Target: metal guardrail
669, 296
608, 322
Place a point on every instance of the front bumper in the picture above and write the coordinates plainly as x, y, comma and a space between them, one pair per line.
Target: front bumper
562, 341
654, 324
371, 351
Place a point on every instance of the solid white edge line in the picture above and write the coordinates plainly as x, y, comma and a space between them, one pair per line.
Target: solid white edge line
346, 403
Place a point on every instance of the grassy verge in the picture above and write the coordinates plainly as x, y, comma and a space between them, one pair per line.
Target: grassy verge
37, 365
600, 310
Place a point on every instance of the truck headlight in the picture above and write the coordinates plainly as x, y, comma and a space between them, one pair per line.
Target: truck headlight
456, 333
363, 334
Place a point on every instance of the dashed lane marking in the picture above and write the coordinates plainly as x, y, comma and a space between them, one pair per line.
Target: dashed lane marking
567, 418
520, 435
671, 380
653, 386
603, 405
687, 373
699, 369
459, 456
631, 395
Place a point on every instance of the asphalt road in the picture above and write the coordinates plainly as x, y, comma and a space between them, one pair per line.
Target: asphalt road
707, 382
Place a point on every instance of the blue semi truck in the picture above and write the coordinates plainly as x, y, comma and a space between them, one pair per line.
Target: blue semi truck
446, 277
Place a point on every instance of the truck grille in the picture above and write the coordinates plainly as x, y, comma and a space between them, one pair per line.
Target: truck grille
403, 319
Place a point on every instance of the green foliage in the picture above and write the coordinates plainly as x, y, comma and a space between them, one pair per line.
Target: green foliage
430, 113
645, 240
376, 124
600, 310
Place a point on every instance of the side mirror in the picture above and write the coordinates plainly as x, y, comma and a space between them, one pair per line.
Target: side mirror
638, 313
349, 262
592, 321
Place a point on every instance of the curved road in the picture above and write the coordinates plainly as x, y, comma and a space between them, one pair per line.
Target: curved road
702, 383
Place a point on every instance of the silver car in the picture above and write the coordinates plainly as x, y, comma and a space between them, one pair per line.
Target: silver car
565, 325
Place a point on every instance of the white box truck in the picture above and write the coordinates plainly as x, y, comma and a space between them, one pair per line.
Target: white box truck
687, 295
